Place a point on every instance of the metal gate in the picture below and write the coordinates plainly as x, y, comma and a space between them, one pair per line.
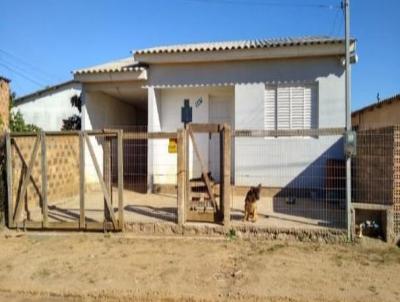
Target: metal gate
62, 180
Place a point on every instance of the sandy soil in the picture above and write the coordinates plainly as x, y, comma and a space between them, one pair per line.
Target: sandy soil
120, 267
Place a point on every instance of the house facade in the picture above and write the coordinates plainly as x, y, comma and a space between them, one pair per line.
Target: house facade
264, 84
47, 108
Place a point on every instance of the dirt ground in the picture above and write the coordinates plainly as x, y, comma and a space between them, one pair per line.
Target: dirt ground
121, 267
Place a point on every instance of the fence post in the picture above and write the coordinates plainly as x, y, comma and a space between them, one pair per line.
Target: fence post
120, 179
107, 171
44, 178
226, 153
182, 175
81, 180
10, 211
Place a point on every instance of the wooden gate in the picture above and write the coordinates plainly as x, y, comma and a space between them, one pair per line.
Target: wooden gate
46, 180
203, 198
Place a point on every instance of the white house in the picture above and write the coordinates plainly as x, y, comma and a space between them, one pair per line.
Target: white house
290, 83
48, 107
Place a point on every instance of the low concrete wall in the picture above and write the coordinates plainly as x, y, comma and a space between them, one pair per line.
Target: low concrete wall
241, 231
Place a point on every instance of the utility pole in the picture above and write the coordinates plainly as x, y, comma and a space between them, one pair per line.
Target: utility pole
346, 8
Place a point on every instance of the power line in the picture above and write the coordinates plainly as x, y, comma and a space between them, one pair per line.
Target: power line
339, 28
334, 22
265, 3
23, 69
38, 69
23, 75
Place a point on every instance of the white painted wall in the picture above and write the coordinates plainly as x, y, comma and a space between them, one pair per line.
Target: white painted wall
102, 111
293, 162
47, 110
164, 109
273, 162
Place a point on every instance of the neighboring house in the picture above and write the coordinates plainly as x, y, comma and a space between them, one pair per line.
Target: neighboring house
48, 107
291, 83
380, 114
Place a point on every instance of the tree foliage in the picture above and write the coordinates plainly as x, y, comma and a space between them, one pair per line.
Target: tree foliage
17, 122
74, 121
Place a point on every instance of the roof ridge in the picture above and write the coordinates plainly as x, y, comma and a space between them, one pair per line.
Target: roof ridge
395, 97
241, 44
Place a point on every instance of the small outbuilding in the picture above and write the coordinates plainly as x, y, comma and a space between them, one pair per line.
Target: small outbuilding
47, 108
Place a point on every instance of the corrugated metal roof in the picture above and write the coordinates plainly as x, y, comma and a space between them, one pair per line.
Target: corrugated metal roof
395, 98
245, 44
121, 65
47, 89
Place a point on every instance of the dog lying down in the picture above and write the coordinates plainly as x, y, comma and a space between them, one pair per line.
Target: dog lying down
250, 206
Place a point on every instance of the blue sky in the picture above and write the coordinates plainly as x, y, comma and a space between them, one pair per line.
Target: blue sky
43, 41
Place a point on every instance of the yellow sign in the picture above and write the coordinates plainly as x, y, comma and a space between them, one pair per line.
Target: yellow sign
172, 145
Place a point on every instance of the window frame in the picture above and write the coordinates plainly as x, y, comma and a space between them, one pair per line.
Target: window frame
314, 105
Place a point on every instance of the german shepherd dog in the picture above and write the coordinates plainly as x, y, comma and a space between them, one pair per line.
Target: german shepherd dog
250, 207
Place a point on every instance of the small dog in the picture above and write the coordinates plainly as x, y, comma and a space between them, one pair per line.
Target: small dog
250, 207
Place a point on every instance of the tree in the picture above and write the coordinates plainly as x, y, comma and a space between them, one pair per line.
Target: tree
17, 122
74, 121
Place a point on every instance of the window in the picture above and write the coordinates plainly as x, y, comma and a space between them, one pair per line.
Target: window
289, 107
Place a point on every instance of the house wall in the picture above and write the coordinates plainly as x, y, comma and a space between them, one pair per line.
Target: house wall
103, 111
382, 116
48, 109
164, 108
298, 160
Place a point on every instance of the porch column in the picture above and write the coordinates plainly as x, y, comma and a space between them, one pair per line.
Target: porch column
154, 125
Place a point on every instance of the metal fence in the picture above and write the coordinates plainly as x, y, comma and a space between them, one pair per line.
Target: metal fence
302, 176
150, 175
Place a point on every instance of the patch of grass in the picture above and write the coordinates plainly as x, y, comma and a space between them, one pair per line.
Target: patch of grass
41, 274
231, 234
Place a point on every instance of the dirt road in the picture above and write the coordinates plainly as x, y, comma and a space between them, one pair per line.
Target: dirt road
96, 267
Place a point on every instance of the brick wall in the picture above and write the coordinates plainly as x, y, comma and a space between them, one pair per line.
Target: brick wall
4, 102
376, 169
62, 169
396, 179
